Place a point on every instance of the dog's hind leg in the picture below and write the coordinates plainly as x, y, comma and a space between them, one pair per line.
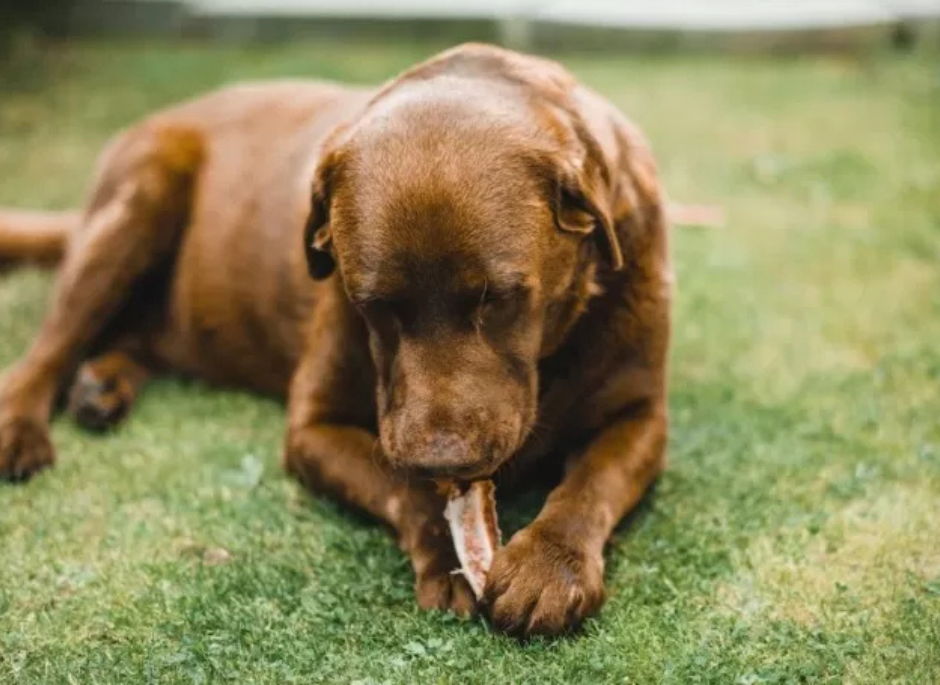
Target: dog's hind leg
138, 210
106, 388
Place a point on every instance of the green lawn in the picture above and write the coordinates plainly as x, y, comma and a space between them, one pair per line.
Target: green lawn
795, 537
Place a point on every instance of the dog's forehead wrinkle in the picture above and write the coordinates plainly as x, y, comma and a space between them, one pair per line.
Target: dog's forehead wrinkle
467, 165
438, 217
405, 275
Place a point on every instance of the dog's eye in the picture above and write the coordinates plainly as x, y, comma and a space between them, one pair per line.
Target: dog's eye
495, 306
485, 300
490, 298
387, 313
503, 295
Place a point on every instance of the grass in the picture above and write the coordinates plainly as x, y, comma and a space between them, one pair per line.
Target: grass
794, 538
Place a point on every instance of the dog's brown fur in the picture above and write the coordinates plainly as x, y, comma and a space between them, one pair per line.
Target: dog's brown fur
469, 263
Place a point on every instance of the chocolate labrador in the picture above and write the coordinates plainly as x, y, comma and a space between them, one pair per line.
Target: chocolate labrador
460, 275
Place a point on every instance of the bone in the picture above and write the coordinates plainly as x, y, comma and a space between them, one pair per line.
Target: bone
471, 515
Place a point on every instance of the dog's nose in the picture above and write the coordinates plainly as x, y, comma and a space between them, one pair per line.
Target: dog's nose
446, 454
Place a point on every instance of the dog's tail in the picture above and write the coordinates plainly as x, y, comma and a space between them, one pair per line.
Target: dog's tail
705, 216
35, 237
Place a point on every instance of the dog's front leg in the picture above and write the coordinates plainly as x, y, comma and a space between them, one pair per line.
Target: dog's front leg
549, 577
330, 452
338, 461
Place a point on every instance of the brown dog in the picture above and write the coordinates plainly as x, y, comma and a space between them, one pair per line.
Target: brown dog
470, 263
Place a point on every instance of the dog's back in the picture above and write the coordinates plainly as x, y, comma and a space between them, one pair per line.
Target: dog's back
238, 292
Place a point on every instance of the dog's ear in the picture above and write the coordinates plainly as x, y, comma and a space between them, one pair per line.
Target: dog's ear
581, 206
586, 191
318, 236
619, 200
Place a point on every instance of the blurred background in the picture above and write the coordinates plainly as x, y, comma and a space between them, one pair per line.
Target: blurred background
528, 24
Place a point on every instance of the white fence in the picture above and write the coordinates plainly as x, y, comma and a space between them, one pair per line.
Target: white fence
684, 15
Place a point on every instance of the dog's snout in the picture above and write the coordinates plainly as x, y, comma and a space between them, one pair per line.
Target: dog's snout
448, 446
446, 454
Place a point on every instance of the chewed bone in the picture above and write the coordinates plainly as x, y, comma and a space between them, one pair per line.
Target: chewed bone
471, 515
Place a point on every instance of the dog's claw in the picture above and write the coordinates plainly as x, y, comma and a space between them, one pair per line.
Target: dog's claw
25, 449
540, 586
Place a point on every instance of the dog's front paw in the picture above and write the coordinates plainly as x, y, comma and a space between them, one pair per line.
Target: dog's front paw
437, 586
541, 584
25, 449
446, 591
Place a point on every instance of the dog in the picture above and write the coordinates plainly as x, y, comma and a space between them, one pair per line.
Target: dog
462, 274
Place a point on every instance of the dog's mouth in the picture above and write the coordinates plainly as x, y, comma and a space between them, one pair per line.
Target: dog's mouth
452, 474
451, 454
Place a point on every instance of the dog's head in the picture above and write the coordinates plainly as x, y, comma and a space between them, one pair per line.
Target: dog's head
468, 210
